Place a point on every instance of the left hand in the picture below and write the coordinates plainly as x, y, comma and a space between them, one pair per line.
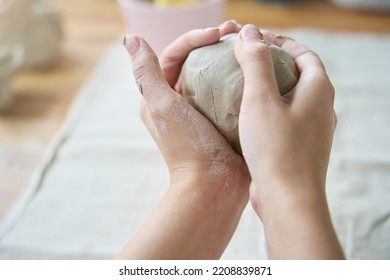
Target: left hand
209, 184
192, 147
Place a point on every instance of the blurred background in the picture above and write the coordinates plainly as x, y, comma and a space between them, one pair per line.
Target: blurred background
78, 32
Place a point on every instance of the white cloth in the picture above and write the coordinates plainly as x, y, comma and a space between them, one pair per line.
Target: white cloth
102, 174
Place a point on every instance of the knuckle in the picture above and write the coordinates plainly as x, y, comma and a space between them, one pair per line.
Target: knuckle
143, 110
258, 49
309, 54
143, 65
255, 52
140, 72
162, 108
327, 84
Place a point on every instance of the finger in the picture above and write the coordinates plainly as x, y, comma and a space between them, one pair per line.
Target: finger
255, 59
229, 26
146, 69
288, 44
310, 67
305, 59
175, 54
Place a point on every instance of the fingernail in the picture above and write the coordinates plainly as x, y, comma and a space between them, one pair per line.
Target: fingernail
284, 37
211, 29
250, 32
131, 43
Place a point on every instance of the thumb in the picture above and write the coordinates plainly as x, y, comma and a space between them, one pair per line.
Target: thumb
255, 59
146, 69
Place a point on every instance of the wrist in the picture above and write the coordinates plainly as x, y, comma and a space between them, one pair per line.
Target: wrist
278, 192
296, 220
211, 209
225, 192
195, 219
231, 183
301, 228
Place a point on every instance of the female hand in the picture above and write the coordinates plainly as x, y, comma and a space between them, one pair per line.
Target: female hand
190, 144
208, 180
286, 142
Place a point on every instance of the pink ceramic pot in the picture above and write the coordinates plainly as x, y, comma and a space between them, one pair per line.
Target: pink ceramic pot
161, 25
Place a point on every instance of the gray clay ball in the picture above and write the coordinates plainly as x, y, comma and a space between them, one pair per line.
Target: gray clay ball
213, 83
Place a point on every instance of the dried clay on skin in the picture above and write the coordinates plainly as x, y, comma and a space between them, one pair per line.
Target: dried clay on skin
213, 83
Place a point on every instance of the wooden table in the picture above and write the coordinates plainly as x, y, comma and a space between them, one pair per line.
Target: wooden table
42, 98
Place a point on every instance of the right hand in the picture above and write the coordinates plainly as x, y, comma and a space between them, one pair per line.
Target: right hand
286, 142
285, 138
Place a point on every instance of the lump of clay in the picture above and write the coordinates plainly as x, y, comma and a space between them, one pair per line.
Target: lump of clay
36, 26
213, 83
11, 57
30, 33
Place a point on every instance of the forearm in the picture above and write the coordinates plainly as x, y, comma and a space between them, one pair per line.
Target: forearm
188, 224
297, 224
